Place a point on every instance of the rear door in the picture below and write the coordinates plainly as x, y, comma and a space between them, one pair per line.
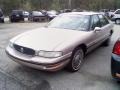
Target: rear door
105, 27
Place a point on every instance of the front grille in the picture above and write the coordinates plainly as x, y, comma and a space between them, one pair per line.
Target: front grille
24, 50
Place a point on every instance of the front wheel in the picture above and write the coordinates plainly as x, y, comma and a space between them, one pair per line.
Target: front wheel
76, 60
117, 21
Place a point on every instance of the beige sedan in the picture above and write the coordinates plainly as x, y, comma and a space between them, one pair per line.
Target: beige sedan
62, 43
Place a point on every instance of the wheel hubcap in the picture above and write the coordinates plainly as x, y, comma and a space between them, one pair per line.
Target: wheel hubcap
118, 21
77, 60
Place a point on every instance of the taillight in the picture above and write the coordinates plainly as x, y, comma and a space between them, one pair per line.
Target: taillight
116, 49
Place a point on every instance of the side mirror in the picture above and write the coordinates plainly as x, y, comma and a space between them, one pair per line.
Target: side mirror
97, 29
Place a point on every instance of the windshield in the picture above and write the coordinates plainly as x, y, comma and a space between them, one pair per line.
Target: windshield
52, 12
36, 13
76, 22
14, 12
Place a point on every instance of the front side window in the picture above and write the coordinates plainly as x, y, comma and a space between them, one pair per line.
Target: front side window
73, 22
95, 22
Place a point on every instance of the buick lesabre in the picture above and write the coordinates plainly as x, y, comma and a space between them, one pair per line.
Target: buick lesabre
64, 42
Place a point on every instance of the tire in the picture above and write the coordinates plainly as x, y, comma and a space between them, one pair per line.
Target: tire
23, 19
3, 21
112, 71
117, 21
107, 42
76, 60
11, 20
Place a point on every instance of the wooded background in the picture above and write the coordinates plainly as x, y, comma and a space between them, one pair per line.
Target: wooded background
8, 5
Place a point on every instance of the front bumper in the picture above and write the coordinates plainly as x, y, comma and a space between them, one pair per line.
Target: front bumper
115, 66
14, 18
41, 63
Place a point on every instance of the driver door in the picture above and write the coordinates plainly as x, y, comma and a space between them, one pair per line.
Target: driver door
95, 39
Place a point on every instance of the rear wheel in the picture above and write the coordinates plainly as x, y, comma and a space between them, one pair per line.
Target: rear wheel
2, 21
76, 60
11, 20
23, 19
107, 42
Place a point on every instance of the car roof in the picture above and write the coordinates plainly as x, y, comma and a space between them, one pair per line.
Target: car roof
17, 10
81, 13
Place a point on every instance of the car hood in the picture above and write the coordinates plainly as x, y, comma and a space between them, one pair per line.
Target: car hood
46, 38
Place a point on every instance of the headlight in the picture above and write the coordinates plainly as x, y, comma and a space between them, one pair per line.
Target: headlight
50, 54
11, 44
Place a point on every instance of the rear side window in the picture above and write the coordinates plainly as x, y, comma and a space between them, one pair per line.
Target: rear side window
117, 12
103, 20
95, 22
